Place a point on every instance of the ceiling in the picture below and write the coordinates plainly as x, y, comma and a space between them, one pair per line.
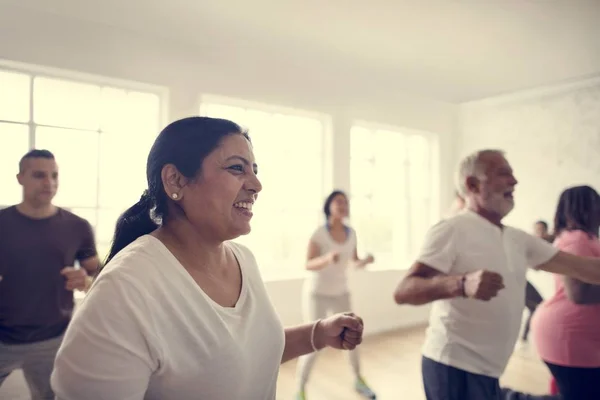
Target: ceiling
449, 50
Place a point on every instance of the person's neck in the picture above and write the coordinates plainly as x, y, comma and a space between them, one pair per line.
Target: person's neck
194, 248
335, 223
492, 217
37, 211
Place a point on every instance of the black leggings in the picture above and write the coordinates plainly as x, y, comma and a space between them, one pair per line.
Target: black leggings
576, 383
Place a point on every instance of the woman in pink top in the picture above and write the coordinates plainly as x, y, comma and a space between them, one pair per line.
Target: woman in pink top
566, 327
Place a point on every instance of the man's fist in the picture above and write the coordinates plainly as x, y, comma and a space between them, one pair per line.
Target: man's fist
76, 278
483, 285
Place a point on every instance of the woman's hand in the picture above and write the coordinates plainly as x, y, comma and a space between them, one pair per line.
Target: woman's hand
340, 331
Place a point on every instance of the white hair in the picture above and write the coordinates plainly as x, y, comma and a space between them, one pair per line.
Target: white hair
473, 165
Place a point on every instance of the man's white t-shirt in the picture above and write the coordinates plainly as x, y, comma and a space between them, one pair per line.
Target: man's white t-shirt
146, 330
333, 279
474, 335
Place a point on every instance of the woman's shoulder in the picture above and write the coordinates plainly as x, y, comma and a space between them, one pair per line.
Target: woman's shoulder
319, 234
579, 241
137, 261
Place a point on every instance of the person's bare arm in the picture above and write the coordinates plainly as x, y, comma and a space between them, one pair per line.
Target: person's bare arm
357, 262
585, 269
424, 284
578, 291
91, 265
316, 260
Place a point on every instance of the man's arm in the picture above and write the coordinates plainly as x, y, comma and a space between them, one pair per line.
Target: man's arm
423, 284
91, 265
357, 262
586, 269
580, 274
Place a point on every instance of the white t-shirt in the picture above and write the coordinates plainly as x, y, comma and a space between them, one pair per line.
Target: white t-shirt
331, 280
147, 331
474, 335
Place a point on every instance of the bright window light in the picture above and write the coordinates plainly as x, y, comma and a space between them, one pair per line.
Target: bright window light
392, 179
289, 151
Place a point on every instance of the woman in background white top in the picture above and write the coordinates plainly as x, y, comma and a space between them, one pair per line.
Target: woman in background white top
331, 249
180, 312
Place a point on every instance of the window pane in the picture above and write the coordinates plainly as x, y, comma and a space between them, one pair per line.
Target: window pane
289, 153
402, 234
394, 219
389, 147
129, 128
66, 104
123, 110
103, 249
420, 167
76, 154
361, 143
420, 217
107, 220
121, 187
15, 143
14, 96
235, 114
362, 175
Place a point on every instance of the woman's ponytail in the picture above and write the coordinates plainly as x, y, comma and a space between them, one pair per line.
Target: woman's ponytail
136, 221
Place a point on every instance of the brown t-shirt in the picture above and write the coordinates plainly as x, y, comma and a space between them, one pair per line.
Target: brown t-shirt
34, 304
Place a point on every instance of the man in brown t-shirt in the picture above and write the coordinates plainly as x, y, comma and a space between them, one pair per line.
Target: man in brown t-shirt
39, 244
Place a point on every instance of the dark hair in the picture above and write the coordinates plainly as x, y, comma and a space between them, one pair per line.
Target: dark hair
329, 200
543, 223
184, 143
35, 154
578, 209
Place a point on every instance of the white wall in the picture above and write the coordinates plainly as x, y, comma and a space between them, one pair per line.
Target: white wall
49, 40
552, 139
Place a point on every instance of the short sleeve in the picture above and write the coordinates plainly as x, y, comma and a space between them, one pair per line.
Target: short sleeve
538, 251
581, 248
439, 249
317, 236
87, 248
106, 353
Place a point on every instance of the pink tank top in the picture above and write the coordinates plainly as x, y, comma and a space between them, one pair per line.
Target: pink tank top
566, 333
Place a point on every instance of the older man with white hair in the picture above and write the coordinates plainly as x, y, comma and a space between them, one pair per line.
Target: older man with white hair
473, 268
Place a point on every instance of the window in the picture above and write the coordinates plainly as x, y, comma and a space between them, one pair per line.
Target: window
91, 129
392, 185
289, 152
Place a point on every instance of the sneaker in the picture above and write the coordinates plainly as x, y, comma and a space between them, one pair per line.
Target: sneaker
361, 387
301, 396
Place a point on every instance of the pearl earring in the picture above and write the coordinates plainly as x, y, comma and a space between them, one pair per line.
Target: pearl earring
174, 196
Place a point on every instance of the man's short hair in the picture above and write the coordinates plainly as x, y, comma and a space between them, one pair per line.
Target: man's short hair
472, 165
35, 154
543, 223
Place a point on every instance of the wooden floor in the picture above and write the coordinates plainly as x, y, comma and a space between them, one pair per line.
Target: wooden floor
390, 364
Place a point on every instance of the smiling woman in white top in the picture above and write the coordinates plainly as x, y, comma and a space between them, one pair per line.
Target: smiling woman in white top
331, 249
180, 312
